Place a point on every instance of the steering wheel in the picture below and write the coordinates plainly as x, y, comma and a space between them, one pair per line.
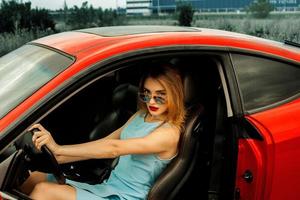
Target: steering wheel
60, 178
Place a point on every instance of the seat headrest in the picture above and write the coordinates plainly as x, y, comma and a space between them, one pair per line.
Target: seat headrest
192, 88
125, 96
124, 105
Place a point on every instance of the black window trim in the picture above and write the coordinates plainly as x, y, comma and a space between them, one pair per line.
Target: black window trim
73, 58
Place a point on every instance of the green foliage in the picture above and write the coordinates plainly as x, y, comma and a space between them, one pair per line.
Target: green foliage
186, 13
81, 17
109, 17
41, 20
279, 26
11, 41
86, 16
274, 29
20, 16
260, 8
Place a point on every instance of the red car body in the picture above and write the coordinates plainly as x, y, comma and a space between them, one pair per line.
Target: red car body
273, 161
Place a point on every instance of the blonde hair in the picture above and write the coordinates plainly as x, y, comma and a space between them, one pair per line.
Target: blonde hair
170, 79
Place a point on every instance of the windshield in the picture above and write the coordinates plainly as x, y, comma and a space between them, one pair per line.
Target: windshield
25, 70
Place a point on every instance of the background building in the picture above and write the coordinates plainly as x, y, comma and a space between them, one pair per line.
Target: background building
139, 7
201, 5
163, 6
286, 5
147, 7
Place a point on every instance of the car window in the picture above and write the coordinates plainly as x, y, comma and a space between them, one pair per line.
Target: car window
123, 30
25, 70
264, 81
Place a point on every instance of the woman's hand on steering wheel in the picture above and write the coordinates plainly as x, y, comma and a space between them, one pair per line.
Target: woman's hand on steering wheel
43, 137
44, 142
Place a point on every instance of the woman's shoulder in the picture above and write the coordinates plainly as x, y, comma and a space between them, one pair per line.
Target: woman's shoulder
170, 129
169, 135
171, 126
138, 113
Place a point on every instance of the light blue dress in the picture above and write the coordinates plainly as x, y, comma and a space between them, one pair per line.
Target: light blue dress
134, 175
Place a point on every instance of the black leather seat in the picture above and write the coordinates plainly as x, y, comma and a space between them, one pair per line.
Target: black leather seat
177, 172
124, 105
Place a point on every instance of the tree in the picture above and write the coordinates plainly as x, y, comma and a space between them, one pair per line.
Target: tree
82, 17
41, 20
10, 12
20, 16
109, 17
65, 12
260, 8
185, 14
87, 16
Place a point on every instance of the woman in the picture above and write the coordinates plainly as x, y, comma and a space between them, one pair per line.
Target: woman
146, 143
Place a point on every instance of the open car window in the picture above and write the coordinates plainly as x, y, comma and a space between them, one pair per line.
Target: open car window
25, 70
102, 102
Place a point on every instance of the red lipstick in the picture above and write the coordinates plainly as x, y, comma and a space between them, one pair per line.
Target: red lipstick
152, 108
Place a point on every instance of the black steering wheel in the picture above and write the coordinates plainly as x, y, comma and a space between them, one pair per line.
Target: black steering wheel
57, 172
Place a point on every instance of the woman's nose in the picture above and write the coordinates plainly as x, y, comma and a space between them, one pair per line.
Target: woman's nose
152, 101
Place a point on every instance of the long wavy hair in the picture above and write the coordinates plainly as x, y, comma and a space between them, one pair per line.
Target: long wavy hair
171, 80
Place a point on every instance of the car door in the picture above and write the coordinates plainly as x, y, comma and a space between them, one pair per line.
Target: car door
269, 131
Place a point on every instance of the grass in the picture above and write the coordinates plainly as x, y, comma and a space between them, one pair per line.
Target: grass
277, 27
274, 29
11, 41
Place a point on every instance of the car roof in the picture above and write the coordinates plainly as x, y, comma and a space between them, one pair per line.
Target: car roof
87, 42
90, 46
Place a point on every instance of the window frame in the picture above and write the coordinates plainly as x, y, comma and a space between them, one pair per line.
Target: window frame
270, 57
97, 70
100, 69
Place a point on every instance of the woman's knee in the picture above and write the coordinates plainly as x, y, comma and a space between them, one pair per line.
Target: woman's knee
34, 178
46, 190
42, 190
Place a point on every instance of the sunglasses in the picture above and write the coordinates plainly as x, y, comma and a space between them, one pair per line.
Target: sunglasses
147, 96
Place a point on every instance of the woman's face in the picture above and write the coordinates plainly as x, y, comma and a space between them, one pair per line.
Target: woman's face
154, 90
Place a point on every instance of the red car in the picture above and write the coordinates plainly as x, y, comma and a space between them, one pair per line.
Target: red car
244, 142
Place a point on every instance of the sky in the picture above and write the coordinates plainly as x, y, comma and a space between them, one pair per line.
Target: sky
57, 4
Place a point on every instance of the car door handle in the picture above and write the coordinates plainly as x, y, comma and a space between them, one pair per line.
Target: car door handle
248, 176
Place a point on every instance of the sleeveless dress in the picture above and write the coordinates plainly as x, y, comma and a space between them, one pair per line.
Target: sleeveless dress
134, 175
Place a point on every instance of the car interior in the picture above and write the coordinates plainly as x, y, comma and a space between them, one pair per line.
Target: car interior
101, 107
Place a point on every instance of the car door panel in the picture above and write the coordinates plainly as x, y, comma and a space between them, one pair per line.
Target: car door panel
274, 161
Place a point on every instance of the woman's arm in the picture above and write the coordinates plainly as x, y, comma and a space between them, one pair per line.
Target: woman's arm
164, 141
117, 133
44, 137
